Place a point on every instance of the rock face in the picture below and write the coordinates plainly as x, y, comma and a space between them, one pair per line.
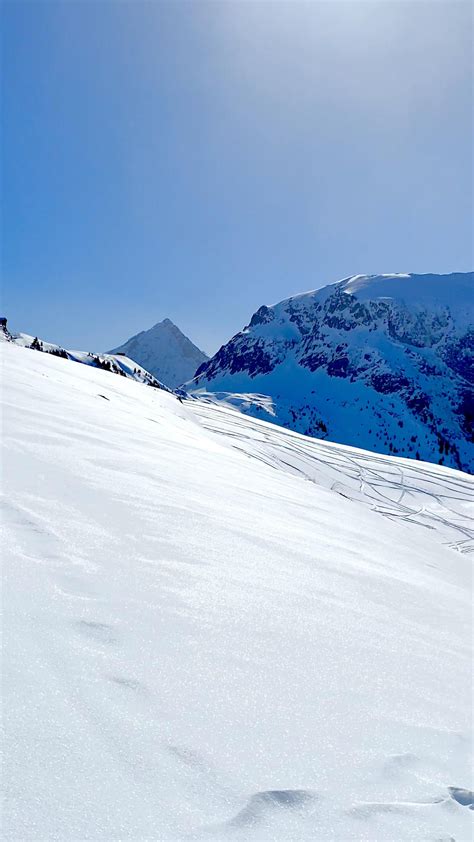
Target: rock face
165, 352
383, 362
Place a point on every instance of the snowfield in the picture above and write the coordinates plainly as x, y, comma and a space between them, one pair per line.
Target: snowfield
216, 629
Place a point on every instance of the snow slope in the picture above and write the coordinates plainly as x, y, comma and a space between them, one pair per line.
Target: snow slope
116, 364
217, 629
166, 352
384, 362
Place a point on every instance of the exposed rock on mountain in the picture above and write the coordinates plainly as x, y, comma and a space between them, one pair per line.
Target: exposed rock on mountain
383, 362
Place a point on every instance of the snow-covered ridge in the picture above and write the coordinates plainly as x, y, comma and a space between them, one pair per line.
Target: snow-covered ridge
115, 363
453, 292
384, 362
164, 351
218, 629
429, 291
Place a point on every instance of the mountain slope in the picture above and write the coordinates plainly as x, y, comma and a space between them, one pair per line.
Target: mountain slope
215, 628
119, 364
165, 352
384, 362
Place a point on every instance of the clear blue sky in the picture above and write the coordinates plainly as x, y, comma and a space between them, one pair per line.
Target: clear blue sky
197, 159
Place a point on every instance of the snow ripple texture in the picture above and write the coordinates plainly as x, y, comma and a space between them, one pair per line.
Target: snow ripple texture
215, 629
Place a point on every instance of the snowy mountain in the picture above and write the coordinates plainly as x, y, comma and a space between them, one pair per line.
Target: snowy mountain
165, 352
217, 629
384, 362
116, 364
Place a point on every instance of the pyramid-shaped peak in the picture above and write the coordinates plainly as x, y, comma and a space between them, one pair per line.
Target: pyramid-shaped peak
164, 348
165, 325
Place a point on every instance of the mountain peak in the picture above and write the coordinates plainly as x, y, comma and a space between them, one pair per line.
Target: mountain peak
164, 348
382, 362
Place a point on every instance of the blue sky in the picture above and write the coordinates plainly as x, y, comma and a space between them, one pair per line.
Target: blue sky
196, 160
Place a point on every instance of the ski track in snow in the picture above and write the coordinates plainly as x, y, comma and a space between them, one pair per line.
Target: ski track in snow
404, 490
379, 362
216, 629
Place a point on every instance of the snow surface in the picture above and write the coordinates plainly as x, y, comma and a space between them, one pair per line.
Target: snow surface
427, 291
166, 352
216, 629
117, 364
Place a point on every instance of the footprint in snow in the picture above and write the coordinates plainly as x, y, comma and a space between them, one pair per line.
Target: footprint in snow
127, 683
263, 804
263, 807
100, 632
399, 763
462, 796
